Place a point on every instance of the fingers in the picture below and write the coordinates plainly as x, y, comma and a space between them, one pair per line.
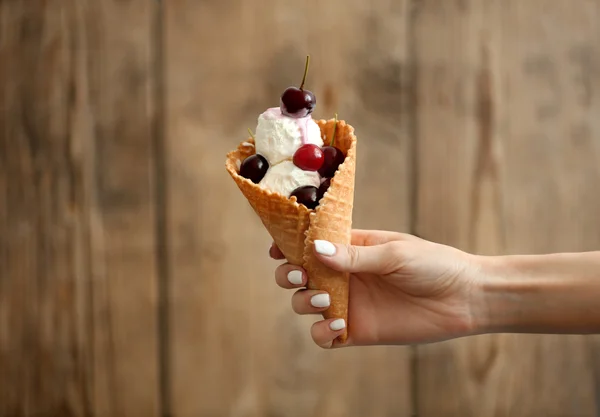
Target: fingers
325, 332
359, 238
306, 301
379, 259
289, 276
275, 252
303, 301
310, 302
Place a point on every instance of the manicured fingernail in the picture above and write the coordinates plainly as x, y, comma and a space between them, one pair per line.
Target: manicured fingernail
337, 324
295, 277
320, 300
324, 247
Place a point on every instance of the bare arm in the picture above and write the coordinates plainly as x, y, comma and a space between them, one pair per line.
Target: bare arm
558, 293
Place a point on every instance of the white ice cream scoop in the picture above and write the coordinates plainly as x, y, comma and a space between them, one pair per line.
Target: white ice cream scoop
285, 177
278, 137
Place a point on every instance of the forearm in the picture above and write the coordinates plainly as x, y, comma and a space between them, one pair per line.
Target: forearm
558, 293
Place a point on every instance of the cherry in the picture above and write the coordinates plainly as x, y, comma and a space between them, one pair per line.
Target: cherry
333, 159
309, 157
298, 102
323, 188
307, 195
254, 168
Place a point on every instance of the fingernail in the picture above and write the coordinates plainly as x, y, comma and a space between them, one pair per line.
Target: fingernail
295, 277
337, 324
320, 300
324, 247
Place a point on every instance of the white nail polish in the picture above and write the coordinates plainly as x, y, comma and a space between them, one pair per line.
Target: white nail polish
324, 247
320, 300
295, 277
337, 324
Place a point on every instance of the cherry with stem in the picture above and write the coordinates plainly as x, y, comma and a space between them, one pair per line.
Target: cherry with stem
298, 102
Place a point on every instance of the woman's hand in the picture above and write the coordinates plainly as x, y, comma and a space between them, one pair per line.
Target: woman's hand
403, 290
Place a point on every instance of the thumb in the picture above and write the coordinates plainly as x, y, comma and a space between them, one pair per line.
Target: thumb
376, 259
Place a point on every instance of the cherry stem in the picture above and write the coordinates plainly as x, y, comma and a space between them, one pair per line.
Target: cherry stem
251, 134
334, 129
305, 71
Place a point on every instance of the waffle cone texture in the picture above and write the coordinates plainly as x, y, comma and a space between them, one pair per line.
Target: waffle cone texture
294, 227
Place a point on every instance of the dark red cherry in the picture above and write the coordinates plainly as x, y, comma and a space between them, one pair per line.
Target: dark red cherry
309, 157
296, 102
323, 188
307, 195
254, 168
333, 159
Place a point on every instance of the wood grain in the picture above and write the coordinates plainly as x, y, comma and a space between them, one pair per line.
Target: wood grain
238, 349
78, 332
508, 164
134, 278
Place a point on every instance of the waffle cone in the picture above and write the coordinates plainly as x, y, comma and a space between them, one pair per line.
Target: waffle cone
294, 228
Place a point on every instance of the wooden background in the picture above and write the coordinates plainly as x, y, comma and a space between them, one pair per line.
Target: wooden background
134, 278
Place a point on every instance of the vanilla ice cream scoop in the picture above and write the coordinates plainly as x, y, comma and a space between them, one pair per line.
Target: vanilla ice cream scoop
285, 177
278, 136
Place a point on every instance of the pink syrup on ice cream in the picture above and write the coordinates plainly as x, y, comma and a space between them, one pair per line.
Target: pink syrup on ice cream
301, 122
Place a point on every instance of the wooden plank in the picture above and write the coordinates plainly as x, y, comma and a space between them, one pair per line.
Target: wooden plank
508, 164
227, 63
78, 333
595, 356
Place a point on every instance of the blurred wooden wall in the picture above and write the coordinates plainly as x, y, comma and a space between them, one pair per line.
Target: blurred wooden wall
134, 278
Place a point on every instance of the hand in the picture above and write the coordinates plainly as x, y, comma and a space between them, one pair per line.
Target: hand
403, 290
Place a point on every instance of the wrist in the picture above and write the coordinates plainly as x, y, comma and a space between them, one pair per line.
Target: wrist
493, 310
484, 301
555, 293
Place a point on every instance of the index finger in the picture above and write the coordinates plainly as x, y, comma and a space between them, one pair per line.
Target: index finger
275, 252
359, 238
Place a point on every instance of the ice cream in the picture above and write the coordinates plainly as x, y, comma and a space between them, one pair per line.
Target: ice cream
299, 179
294, 227
277, 139
285, 177
279, 136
